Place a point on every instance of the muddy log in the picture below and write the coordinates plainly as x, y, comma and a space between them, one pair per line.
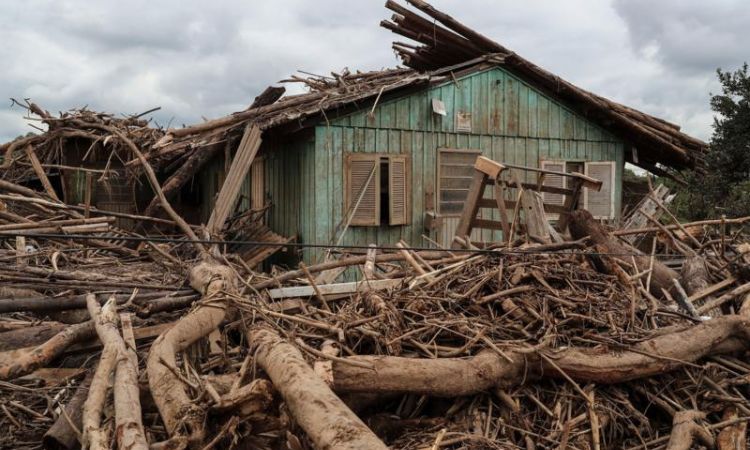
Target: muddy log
453, 377
175, 406
128, 426
694, 273
685, 430
16, 363
29, 336
583, 224
328, 422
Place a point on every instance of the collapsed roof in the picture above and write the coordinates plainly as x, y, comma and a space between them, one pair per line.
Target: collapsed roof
444, 46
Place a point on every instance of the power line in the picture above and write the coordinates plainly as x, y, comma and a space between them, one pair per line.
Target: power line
168, 240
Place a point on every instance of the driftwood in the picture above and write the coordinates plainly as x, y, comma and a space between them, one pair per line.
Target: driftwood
582, 224
15, 363
325, 418
175, 407
128, 427
490, 369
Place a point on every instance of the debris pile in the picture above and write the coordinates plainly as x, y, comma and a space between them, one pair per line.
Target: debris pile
586, 343
165, 335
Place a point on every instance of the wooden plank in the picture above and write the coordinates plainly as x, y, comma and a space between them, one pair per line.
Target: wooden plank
39, 171
472, 205
489, 167
571, 201
534, 215
488, 224
246, 152
333, 289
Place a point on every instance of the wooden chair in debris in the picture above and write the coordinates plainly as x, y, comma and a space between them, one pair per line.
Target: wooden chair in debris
527, 203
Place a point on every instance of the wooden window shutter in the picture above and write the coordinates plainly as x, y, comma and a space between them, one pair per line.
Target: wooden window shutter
363, 189
398, 188
601, 204
557, 181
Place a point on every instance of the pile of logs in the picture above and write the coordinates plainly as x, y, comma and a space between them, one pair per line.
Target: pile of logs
107, 340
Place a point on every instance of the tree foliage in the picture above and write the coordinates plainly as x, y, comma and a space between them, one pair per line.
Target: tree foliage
725, 188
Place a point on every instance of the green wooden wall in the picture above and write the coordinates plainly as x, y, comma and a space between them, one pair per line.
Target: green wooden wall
511, 122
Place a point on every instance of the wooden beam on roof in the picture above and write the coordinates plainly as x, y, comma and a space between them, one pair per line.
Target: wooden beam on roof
230, 190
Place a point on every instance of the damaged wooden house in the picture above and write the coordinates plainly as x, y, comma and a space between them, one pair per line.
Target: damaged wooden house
383, 156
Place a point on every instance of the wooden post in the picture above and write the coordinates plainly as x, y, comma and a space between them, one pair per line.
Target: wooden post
472, 205
21, 259
39, 171
87, 198
571, 200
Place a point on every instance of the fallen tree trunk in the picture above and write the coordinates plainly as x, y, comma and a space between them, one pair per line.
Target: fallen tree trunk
328, 422
128, 426
16, 363
583, 224
440, 377
29, 336
175, 406
694, 273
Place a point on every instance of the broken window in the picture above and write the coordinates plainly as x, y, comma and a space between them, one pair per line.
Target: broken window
376, 189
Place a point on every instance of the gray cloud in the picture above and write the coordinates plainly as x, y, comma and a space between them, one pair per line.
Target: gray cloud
205, 59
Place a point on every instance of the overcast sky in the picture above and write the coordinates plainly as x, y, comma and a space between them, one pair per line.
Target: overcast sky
208, 58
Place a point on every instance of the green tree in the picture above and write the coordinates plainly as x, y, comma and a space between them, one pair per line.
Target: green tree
725, 188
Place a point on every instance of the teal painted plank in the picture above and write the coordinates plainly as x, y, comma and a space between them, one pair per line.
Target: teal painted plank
568, 124
387, 115
497, 102
543, 116
511, 106
554, 121
403, 113
533, 113
523, 110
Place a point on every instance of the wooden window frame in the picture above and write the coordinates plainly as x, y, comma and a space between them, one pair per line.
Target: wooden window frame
378, 159
438, 178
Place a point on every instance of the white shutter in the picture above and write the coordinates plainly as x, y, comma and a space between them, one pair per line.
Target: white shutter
557, 181
363, 185
601, 204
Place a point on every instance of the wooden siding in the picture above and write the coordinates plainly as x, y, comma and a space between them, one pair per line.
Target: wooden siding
289, 185
511, 122
333, 142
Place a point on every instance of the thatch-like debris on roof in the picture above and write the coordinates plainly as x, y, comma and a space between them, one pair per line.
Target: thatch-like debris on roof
444, 41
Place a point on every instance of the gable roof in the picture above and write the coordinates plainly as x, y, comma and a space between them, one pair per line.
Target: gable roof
445, 49
444, 46
449, 42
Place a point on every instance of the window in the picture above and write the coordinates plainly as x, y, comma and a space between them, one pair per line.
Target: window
376, 189
600, 204
455, 172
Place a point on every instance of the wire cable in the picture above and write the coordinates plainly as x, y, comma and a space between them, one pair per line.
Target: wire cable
168, 240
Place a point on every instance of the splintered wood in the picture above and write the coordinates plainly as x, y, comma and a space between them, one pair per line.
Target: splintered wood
586, 343
149, 338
